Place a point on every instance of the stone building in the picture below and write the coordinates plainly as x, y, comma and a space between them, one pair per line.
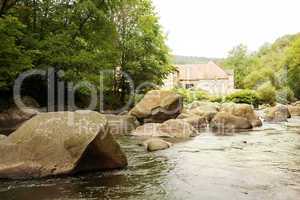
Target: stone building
209, 77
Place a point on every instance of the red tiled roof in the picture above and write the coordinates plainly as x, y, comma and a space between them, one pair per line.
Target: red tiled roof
209, 71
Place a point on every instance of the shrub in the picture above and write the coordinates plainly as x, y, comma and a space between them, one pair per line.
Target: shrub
285, 95
267, 93
244, 96
190, 96
217, 99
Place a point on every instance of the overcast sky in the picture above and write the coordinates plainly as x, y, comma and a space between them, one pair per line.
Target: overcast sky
212, 27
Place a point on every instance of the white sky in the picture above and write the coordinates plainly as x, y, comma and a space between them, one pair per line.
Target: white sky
212, 27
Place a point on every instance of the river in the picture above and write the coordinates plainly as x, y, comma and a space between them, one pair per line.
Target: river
260, 164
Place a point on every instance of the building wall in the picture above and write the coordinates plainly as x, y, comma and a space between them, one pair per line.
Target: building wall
215, 87
171, 81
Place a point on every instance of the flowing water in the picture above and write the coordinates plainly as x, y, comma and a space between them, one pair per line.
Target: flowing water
259, 164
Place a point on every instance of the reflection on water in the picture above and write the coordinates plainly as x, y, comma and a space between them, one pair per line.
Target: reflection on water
261, 164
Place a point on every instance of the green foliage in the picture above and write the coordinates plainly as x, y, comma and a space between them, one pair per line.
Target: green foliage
267, 93
83, 38
258, 77
285, 96
143, 53
244, 96
240, 61
14, 59
190, 96
277, 63
293, 67
217, 99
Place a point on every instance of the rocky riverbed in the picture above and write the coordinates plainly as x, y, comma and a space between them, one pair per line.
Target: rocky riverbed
263, 163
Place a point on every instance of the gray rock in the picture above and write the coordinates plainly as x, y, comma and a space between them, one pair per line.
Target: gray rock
121, 124
174, 128
224, 122
14, 117
279, 113
156, 144
242, 110
158, 106
60, 143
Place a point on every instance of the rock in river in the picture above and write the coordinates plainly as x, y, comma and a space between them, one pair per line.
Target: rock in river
121, 124
294, 110
156, 144
158, 106
58, 144
173, 128
279, 113
13, 117
242, 110
224, 121
197, 122
204, 109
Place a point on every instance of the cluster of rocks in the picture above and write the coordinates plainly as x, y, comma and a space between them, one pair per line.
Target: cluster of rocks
281, 113
47, 144
162, 116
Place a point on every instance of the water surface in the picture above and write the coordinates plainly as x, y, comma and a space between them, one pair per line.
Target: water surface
259, 164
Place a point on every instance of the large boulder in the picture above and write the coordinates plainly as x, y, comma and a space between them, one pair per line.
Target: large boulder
58, 144
197, 122
224, 122
297, 103
121, 124
158, 106
294, 110
174, 128
205, 105
178, 129
156, 144
242, 110
204, 109
14, 117
186, 114
279, 113
149, 130
3, 137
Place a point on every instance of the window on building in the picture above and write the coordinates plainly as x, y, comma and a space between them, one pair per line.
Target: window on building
188, 86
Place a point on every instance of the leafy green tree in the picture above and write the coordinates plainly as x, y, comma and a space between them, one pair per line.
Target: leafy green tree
293, 66
258, 77
240, 61
275, 64
143, 53
5, 5
14, 59
83, 38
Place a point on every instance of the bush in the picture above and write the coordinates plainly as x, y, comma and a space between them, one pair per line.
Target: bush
244, 96
267, 93
216, 99
190, 96
285, 96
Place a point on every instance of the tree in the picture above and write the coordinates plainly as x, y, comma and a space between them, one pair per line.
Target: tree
240, 61
14, 59
141, 43
293, 67
5, 5
83, 38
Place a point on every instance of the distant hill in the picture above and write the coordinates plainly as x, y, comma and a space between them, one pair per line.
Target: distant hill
191, 59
